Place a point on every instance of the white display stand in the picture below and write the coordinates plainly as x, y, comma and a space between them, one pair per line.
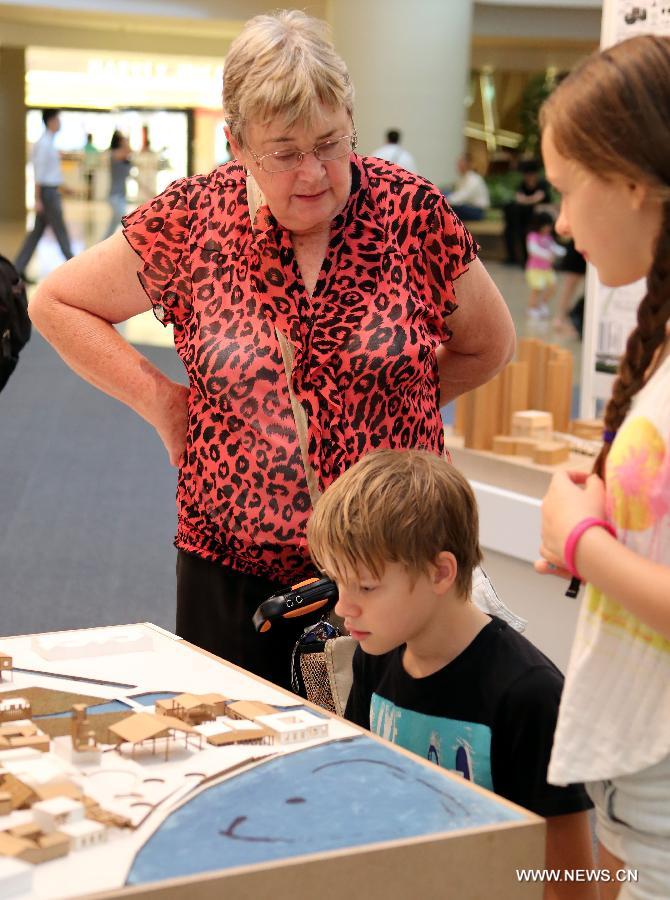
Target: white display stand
509, 492
457, 841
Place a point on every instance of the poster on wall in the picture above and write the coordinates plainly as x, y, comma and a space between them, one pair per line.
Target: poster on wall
615, 316
610, 313
623, 19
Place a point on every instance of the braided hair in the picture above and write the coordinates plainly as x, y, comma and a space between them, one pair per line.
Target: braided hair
650, 333
612, 116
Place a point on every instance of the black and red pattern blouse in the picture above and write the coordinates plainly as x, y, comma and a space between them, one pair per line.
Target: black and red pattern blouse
364, 347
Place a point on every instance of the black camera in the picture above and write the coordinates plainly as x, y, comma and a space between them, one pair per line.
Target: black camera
299, 599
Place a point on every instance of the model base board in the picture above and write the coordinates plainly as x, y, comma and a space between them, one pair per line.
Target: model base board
200, 771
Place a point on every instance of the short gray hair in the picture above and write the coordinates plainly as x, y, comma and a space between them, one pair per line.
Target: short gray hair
283, 65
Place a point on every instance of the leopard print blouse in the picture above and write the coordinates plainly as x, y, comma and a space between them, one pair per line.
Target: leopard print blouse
364, 347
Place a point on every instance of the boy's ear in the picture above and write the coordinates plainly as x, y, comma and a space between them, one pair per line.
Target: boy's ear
445, 571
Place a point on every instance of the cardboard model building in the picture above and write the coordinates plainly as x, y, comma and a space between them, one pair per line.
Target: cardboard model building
141, 728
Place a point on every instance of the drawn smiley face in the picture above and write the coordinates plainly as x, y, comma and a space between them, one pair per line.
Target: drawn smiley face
335, 795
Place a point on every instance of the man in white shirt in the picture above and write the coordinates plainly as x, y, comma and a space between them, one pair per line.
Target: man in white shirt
392, 152
470, 199
48, 206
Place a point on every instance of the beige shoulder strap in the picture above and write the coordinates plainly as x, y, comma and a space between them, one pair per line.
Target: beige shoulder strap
255, 199
255, 196
299, 415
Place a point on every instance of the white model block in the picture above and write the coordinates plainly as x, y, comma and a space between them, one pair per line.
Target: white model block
294, 725
85, 833
224, 724
52, 815
43, 769
91, 642
16, 877
20, 754
62, 747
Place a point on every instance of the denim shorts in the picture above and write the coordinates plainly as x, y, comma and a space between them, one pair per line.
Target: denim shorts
633, 823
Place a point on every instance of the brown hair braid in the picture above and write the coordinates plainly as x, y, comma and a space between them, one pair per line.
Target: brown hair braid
652, 315
612, 116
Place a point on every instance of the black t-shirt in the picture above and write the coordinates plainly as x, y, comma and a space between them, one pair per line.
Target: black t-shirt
490, 715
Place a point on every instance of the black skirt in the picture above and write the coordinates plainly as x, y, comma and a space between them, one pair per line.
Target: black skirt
215, 606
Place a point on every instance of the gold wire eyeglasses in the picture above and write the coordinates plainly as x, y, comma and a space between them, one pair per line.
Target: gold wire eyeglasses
283, 160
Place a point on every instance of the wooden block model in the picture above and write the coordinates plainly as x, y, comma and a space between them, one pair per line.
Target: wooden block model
515, 392
550, 453
533, 423
504, 445
535, 353
558, 387
484, 417
524, 446
590, 429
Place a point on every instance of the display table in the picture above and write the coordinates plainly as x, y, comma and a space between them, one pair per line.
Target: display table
509, 492
324, 815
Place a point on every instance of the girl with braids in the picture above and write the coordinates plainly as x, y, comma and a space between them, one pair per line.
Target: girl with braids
606, 147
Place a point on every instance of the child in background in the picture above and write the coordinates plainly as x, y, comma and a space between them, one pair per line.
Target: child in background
606, 147
543, 251
398, 533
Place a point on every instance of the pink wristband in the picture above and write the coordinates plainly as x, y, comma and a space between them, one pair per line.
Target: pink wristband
573, 539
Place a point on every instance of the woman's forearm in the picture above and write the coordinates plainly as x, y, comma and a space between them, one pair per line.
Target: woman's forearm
94, 349
461, 372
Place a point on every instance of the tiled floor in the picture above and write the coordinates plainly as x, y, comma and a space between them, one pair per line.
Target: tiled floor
87, 223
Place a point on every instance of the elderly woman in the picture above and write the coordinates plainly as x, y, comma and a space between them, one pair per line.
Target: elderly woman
323, 304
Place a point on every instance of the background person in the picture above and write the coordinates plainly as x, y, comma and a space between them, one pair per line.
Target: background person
399, 534
543, 251
606, 148
119, 169
90, 161
532, 191
296, 248
48, 205
573, 267
470, 198
392, 152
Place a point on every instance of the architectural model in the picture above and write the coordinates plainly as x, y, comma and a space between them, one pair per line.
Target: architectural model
112, 769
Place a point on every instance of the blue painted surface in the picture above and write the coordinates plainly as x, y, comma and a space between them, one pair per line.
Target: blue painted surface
150, 699
336, 795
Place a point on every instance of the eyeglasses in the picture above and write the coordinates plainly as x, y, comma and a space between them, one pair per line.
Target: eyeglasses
283, 160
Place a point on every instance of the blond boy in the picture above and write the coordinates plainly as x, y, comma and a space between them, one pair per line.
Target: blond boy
398, 533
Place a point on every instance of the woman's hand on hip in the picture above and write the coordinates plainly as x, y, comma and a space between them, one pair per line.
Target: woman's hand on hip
171, 420
572, 497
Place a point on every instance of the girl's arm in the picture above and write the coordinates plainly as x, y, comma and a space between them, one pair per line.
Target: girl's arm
637, 583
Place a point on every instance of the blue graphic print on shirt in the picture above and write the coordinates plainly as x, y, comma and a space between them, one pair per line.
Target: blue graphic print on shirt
463, 747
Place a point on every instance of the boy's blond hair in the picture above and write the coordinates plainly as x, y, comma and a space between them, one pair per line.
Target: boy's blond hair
403, 506
283, 66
